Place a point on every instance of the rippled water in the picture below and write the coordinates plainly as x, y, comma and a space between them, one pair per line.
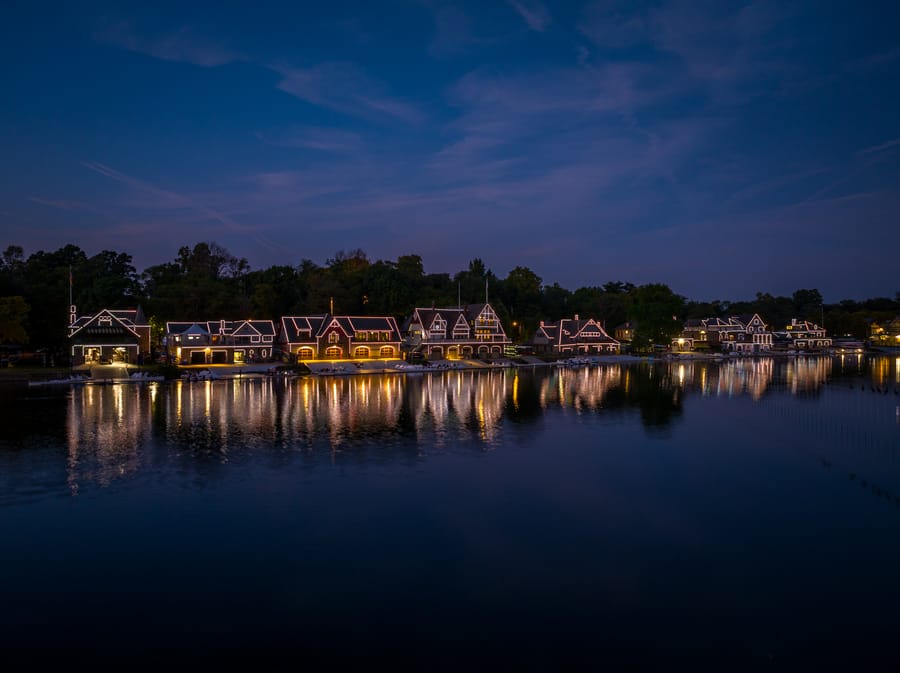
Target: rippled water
690, 512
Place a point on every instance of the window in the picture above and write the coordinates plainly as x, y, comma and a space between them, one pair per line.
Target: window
254, 339
334, 338
267, 338
387, 352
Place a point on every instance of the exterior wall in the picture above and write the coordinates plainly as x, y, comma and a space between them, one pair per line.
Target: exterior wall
105, 353
682, 345
221, 354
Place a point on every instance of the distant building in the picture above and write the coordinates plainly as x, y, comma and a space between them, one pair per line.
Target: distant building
885, 333
624, 332
456, 332
110, 335
335, 337
741, 334
573, 335
220, 342
803, 335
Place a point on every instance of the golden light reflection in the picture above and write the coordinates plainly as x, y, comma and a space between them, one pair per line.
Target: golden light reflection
582, 388
106, 429
515, 392
107, 426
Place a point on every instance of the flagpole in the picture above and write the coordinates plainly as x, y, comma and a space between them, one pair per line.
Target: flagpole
71, 316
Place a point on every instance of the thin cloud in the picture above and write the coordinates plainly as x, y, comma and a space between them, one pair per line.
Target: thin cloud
455, 32
181, 46
344, 88
332, 141
613, 25
60, 204
168, 199
880, 148
534, 13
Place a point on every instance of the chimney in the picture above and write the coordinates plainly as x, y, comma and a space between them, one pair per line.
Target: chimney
576, 316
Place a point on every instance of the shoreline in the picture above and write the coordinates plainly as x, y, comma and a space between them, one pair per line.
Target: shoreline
122, 373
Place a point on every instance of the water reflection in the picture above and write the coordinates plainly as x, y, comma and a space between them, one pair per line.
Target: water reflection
115, 431
106, 429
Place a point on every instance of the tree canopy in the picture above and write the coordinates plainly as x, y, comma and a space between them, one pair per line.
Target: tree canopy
206, 281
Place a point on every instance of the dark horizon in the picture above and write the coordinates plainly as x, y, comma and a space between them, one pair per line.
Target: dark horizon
749, 296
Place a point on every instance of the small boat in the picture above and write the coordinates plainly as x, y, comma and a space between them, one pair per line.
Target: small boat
71, 379
202, 375
142, 377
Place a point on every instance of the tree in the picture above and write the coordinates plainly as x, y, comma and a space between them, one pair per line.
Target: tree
808, 304
608, 304
46, 279
13, 311
555, 302
106, 280
521, 294
471, 283
654, 311
12, 271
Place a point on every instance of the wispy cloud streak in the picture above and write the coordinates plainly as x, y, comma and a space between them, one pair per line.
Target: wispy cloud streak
344, 88
882, 147
534, 13
164, 199
182, 45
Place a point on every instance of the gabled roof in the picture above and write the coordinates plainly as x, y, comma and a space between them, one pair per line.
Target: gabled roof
799, 325
474, 310
460, 321
178, 327
300, 329
428, 315
220, 326
196, 329
569, 331
129, 316
254, 328
91, 324
373, 324
746, 318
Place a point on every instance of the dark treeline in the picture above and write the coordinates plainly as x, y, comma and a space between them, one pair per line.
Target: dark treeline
208, 282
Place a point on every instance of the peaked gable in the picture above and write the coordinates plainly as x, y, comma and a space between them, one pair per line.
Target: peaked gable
246, 328
104, 322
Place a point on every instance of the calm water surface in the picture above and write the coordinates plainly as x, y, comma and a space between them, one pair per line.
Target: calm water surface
652, 515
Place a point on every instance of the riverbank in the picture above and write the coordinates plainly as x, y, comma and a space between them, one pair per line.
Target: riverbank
123, 372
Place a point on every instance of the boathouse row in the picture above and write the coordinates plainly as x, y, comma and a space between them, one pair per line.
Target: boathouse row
111, 335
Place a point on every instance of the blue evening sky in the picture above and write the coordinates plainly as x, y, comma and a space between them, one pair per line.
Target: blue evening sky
723, 148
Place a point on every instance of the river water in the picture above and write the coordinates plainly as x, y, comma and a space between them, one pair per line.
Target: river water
742, 514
